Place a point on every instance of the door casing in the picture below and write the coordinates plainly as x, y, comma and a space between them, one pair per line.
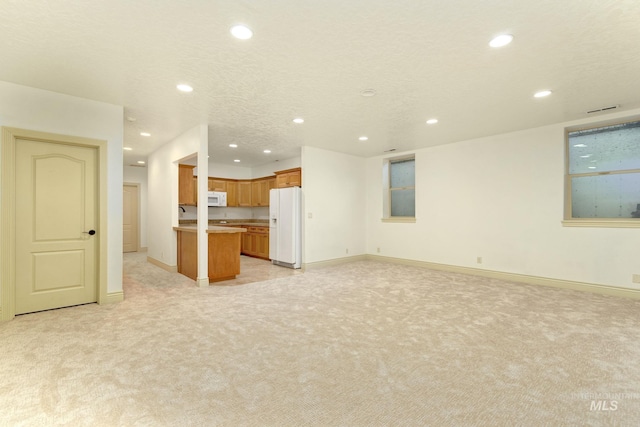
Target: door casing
8, 214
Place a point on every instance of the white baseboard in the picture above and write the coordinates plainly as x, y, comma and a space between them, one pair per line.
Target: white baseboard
113, 297
514, 277
143, 249
203, 282
330, 262
162, 265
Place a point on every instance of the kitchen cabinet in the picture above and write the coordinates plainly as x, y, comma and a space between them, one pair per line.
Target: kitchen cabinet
289, 178
260, 191
187, 189
244, 193
255, 242
223, 262
216, 184
232, 193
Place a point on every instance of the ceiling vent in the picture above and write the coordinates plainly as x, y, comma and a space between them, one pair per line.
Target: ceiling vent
139, 166
599, 110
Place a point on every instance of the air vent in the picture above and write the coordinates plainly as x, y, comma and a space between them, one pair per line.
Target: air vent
599, 110
139, 166
388, 151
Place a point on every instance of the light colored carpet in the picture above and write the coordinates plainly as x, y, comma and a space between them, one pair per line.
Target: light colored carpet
362, 344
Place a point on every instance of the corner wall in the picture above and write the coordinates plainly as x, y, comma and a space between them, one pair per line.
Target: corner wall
162, 167
501, 198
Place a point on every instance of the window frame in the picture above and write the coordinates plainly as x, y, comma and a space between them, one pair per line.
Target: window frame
568, 220
387, 189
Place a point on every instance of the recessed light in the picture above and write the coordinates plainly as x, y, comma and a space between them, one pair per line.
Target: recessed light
131, 119
241, 32
580, 145
127, 148
586, 156
298, 120
233, 145
542, 93
432, 121
184, 88
237, 160
363, 138
266, 151
368, 92
141, 162
145, 134
592, 167
501, 40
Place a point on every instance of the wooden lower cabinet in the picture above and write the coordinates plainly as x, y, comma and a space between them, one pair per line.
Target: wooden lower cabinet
255, 242
224, 255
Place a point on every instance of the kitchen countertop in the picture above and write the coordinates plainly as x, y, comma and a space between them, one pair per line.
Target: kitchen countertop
192, 228
228, 223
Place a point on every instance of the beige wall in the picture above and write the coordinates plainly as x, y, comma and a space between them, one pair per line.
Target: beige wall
334, 194
501, 198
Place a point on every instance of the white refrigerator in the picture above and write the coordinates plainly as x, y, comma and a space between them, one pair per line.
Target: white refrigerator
285, 217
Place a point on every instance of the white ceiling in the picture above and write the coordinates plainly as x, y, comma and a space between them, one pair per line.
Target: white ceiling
310, 58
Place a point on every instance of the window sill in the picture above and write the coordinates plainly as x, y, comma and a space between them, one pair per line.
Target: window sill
606, 223
400, 219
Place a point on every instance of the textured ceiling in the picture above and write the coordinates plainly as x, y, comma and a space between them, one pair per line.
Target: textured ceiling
311, 58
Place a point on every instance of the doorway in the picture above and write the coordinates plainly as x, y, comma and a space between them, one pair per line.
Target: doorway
53, 218
130, 218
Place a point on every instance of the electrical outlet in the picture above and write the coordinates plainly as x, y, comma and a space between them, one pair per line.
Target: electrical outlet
347, 250
479, 260
635, 278
378, 250
309, 215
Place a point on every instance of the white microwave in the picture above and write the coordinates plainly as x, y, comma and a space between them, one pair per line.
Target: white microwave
216, 198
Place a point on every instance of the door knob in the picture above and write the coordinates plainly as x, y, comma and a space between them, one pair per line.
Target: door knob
90, 232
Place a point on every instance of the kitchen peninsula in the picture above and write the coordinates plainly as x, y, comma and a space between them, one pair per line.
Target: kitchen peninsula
224, 251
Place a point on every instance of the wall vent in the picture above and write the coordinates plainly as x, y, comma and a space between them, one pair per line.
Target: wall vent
598, 110
139, 166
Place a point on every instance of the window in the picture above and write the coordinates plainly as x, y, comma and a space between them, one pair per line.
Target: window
603, 175
400, 193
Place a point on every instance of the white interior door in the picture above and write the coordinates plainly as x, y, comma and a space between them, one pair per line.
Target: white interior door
56, 219
130, 218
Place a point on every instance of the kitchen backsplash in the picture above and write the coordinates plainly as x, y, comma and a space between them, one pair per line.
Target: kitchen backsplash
226, 213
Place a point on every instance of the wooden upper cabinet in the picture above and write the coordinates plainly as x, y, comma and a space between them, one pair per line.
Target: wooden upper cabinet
260, 191
187, 190
289, 178
244, 193
232, 193
216, 184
